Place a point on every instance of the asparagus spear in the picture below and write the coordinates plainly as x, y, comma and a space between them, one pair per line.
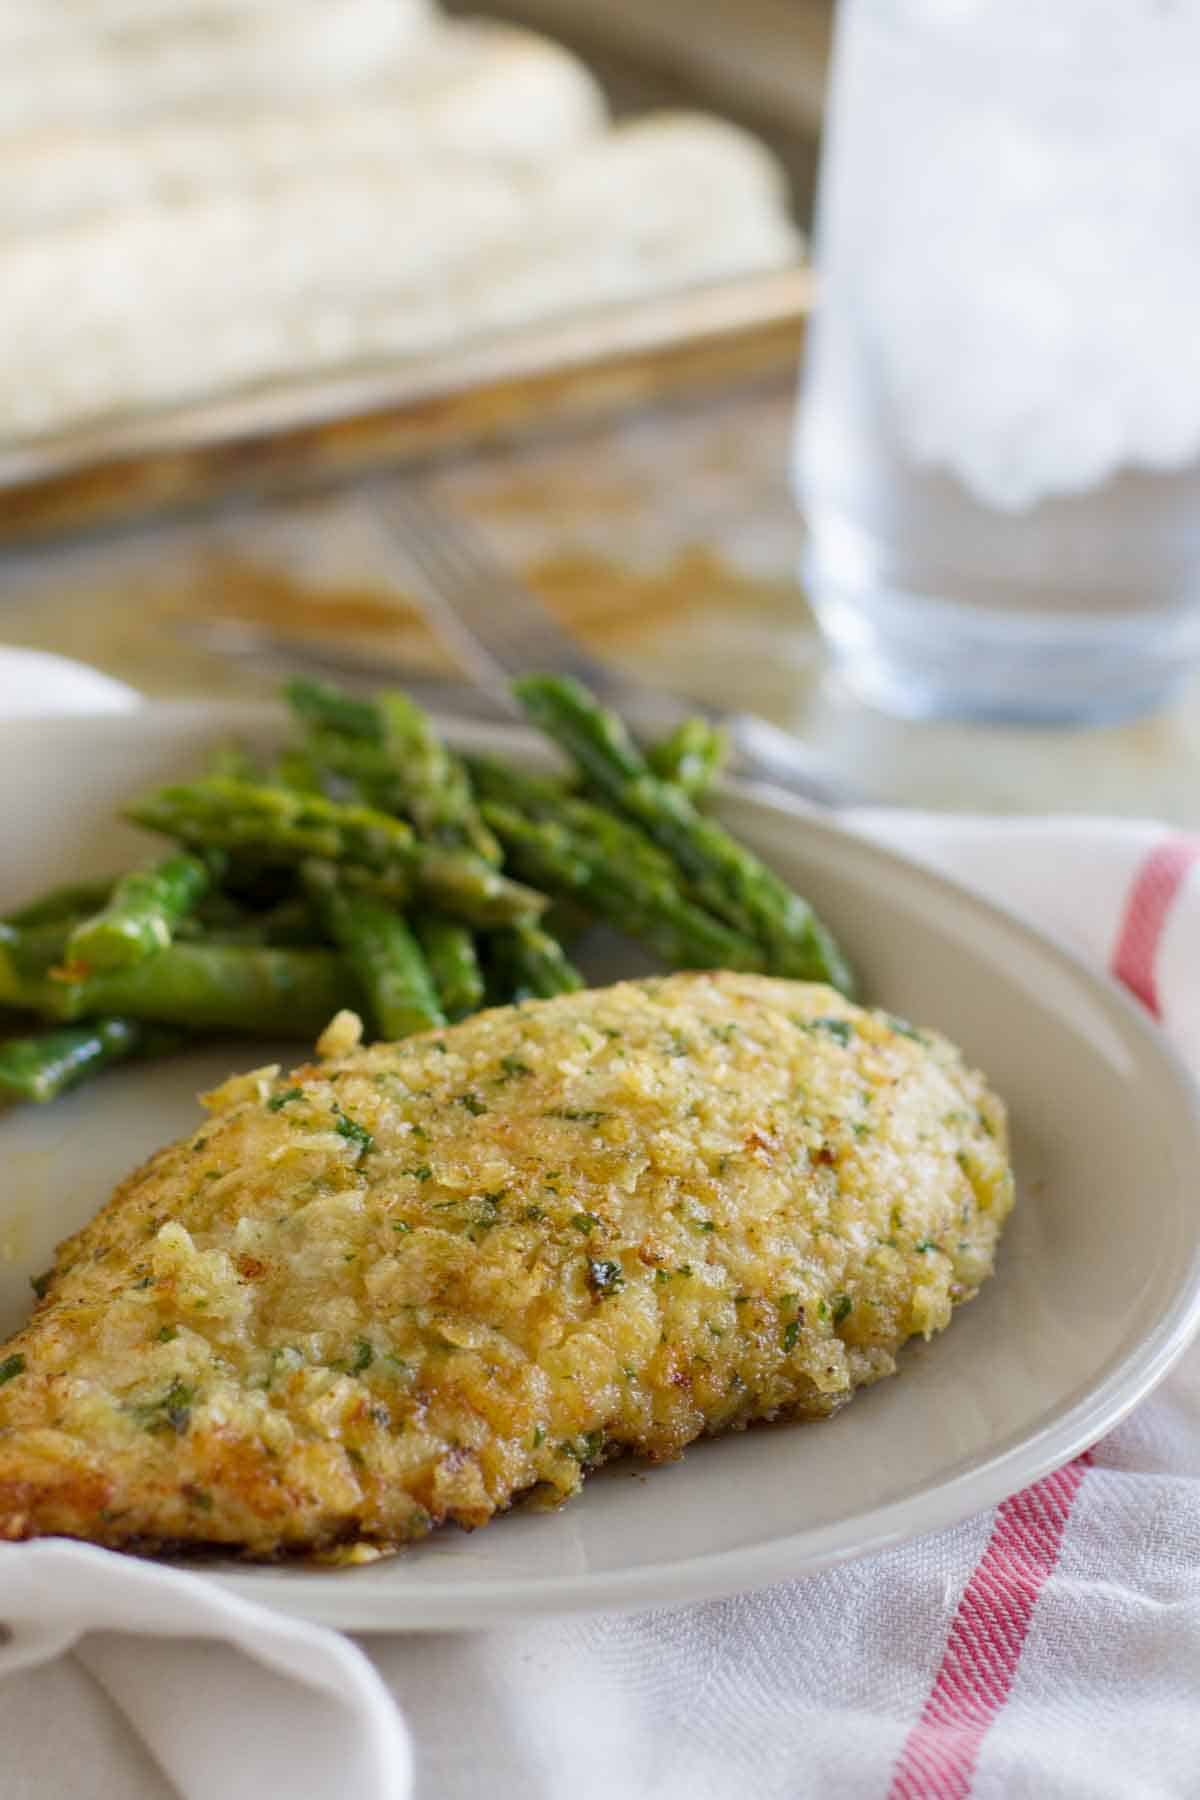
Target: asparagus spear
542, 795
383, 954
301, 770
456, 884
30, 952
644, 905
410, 772
235, 761
400, 766
285, 993
691, 757
535, 966
42, 1067
74, 900
719, 872
27, 958
586, 851
289, 924
548, 800
319, 704
345, 767
453, 961
140, 915
439, 797
389, 748
375, 852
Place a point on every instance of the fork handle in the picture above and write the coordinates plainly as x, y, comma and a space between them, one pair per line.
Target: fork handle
760, 751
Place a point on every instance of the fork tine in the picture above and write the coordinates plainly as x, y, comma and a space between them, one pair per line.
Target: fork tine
449, 549
453, 557
491, 602
482, 612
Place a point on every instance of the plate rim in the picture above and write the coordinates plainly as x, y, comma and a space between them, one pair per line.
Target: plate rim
324, 1596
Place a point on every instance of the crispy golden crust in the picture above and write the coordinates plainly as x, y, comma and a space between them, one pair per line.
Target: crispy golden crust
414, 1283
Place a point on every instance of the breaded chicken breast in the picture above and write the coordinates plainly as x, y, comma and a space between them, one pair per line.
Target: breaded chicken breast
418, 1280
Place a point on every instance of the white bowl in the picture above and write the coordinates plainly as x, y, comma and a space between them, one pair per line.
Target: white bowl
1096, 1294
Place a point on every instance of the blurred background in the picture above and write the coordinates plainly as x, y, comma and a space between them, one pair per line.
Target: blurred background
550, 257
764, 63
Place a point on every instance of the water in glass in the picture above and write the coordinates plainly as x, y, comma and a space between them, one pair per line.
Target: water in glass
998, 450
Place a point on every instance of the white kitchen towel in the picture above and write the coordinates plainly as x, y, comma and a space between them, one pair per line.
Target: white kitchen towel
1046, 1650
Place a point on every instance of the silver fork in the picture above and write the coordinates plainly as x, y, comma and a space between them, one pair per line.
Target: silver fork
498, 629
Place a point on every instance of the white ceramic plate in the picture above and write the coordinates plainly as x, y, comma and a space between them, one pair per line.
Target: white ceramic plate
1097, 1292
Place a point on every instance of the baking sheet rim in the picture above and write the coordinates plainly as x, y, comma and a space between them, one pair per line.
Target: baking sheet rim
712, 311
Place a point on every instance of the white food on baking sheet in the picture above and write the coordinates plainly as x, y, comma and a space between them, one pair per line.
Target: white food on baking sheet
103, 62
193, 199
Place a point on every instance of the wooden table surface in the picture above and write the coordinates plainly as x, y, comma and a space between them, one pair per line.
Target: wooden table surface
669, 540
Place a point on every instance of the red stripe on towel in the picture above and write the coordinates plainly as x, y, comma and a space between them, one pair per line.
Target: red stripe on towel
986, 1637
987, 1634
1150, 899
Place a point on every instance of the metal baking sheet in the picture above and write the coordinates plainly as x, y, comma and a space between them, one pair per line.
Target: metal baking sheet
304, 432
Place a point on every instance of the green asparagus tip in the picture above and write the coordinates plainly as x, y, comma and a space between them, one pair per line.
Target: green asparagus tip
317, 703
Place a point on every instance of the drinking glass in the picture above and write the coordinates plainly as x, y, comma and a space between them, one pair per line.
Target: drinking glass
998, 450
